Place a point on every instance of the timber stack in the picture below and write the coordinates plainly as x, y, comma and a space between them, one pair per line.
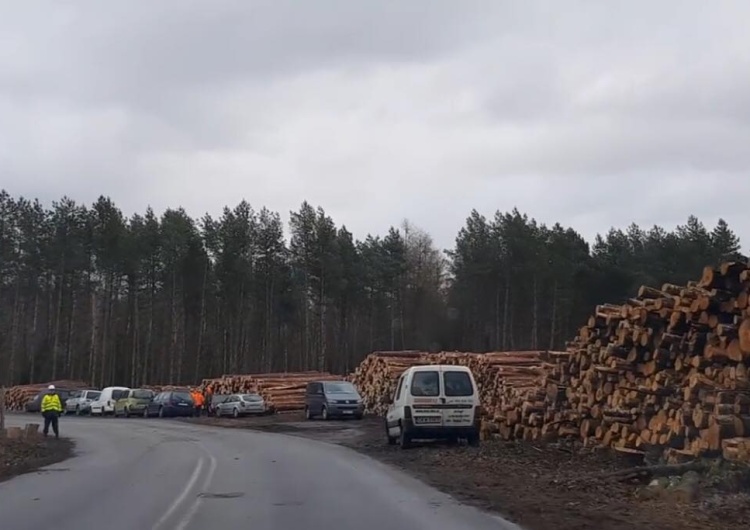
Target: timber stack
494, 372
282, 392
665, 371
16, 397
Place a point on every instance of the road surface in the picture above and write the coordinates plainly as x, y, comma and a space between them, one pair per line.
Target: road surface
140, 474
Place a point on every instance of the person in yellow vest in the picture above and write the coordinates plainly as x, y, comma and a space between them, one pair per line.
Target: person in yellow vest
51, 410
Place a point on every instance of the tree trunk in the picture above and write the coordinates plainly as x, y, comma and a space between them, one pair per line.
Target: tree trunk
58, 319
201, 324
553, 318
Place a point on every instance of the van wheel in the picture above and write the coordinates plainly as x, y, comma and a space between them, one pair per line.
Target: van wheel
391, 439
161, 412
324, 413
235, 413
473, 439
145, 412
404, 439
308, 414
126, 413
78, 410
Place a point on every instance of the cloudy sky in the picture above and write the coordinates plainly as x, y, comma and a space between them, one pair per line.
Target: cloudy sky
589, 113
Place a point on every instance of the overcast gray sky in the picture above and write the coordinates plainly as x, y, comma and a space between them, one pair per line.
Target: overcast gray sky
589, 113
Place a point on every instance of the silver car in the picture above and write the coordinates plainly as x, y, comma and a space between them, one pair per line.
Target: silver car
80, 401
238, 405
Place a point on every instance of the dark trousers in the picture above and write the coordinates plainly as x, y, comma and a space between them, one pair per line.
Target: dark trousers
50, 418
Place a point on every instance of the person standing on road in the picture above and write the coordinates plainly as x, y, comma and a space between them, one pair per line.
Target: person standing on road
51, 410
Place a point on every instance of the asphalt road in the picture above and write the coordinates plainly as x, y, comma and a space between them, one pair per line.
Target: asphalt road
140, 474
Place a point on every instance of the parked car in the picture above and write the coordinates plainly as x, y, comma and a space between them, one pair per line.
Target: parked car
133, 402
105, 403
216, 400
169, 404
35, 405
432, 402
238, 405
333, 399
79, 401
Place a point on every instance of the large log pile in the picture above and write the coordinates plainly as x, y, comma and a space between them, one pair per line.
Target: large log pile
667, 370
282, 392
495, 374
16, 397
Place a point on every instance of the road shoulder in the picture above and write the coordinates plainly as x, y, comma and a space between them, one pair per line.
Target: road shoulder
18, 457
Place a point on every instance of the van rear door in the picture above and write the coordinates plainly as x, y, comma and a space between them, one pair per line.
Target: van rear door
458, 398
425, 398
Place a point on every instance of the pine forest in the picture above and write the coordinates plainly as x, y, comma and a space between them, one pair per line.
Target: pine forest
87, 293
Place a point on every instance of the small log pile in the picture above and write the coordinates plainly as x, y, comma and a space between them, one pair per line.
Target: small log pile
16, 397
282, 392
495, 373
665, 371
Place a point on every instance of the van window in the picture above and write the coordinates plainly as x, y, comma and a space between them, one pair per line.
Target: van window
119, 394
457, 384
93, 395
142, 394
400, 386
426, 384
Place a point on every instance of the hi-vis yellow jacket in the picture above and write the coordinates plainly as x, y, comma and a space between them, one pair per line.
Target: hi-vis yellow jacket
51, 403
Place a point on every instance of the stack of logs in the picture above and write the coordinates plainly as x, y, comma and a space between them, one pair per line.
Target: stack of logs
665, 371
282, 392
16, 397
496, 374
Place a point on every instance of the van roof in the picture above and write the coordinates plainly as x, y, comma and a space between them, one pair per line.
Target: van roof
441, 367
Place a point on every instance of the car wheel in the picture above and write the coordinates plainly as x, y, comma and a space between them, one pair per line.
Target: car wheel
324, 413
145, 412
126, 413
161, 412
308, 414
78, 410
404, 439
235, 413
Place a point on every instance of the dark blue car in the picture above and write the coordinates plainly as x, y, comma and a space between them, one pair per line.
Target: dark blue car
170, 404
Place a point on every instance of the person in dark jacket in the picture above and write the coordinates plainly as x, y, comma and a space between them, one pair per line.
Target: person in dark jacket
51, 410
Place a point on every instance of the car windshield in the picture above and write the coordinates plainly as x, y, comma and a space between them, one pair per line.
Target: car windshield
339, 387
143, 394
425, 384
457, 383
252, 397
93, 395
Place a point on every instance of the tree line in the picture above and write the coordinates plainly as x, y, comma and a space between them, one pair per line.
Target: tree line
87, 293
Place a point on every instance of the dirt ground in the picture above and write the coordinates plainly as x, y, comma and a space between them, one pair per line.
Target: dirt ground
24, 456
552, 487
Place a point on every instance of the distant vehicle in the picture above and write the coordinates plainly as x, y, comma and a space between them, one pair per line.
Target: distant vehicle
169, 404
434, 402
333, 399
105, 403
238, 405
133, 402
216, 400
35, 405
79, 401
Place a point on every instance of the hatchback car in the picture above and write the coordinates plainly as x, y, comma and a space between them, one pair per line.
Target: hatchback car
169, 404
238, 405
80, 401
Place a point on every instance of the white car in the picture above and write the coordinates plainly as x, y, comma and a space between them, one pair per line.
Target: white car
105, 403
80, 401
434, 402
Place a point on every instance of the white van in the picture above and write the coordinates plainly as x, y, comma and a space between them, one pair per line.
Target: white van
434, 401
105, 403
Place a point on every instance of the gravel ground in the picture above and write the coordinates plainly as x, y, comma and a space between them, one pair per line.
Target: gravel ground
24, 456
540, 487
